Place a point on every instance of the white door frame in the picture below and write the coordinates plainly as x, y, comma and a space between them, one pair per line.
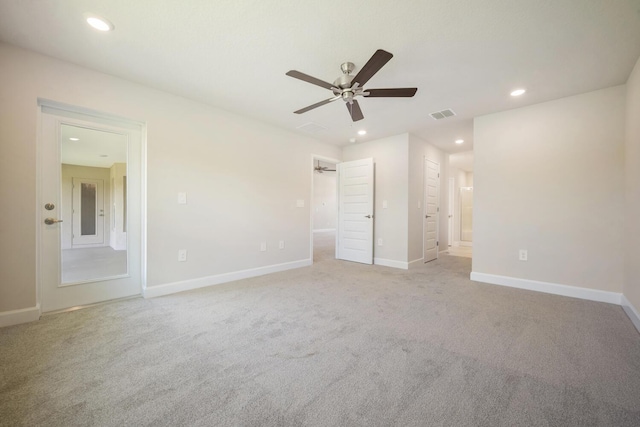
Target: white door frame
78, 114
315, 157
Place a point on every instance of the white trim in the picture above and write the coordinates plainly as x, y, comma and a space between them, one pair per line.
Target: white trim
15, 317
549, 288
391, 263
324, 230
202, 282
631, 311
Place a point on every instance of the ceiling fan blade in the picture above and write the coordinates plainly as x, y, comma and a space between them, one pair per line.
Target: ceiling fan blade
316, 105
405, 92
355, 111
309, 79
372, 66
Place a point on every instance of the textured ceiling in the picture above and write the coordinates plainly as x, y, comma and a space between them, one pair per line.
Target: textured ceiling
233, 54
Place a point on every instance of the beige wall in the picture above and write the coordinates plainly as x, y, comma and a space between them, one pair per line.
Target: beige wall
218, 158
66, 210
390, 156
632, 170
324, 201
550, 180
418, 151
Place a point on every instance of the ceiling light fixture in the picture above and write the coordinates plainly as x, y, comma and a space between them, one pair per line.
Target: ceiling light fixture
518, 92
74, 139
459, 141
99, 23
103, 155
362, 132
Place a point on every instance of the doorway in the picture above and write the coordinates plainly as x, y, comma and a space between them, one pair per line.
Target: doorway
431, 209
323, 208
90, 233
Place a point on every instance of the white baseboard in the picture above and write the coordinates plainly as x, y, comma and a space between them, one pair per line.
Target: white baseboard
391, 263
15, 317
631, 312
323, 230
201, 282
549, 288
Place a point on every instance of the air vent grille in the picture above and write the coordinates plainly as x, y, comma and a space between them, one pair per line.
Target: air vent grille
311, 127
439, 115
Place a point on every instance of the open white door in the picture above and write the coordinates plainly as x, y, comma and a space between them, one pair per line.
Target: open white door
354, 237
432, 209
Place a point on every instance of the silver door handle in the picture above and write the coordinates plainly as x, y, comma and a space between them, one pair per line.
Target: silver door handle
50, 221
428, 216
368, 216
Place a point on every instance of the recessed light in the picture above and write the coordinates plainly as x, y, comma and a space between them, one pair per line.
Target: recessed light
74, 139
518, 92
99, 23
459, 141
103, 155
362, 132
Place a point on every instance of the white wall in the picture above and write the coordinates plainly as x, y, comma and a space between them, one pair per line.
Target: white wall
324, 201
218, 158
632, 170
390, 156
550, 180
418, 151
66, 210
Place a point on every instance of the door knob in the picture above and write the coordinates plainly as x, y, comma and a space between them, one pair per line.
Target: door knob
50, 221
428, 216
367, 216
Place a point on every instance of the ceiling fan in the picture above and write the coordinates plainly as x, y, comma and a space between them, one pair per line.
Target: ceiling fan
321, 169
347, 87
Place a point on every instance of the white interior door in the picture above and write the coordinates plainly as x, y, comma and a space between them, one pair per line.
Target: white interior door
432, 209
88, 211
354, 238
452, 189
102, 282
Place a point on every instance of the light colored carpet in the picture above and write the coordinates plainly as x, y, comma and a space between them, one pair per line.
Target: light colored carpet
336, 344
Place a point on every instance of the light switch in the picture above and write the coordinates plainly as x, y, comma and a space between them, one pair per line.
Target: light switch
300, 203
380, 242
182, 198
281, 244
419, 205
385, 204
263, 247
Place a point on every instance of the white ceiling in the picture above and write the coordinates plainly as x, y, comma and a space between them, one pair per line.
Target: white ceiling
466, 55
93, 148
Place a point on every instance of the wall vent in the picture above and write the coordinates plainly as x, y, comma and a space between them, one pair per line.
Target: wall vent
311, 127
438, 115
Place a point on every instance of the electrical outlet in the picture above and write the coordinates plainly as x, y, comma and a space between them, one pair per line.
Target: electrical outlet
379, 242
281, 244
263, 247
523, 255
182, 198
182, 255
385, 204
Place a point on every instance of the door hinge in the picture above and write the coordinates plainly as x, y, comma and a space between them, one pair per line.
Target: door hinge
438, 175
438, 210
437, 243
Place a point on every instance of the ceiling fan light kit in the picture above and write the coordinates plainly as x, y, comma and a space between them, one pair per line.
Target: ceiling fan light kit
347, 87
